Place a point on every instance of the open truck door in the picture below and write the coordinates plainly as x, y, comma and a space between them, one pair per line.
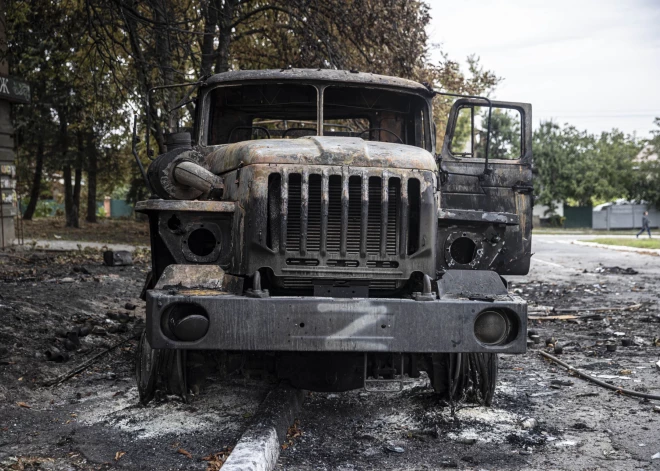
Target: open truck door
485, 168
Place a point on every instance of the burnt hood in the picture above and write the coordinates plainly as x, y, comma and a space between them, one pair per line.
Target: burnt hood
319, 150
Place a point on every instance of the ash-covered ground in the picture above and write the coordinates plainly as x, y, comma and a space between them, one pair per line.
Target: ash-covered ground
93, 420
542, 417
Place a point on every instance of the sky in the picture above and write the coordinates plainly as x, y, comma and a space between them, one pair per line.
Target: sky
592, 63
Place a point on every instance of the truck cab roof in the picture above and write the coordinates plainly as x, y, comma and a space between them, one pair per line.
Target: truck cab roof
317, 76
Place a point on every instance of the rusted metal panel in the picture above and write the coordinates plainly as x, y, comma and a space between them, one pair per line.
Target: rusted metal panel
403, 220
470, 215
492, 206
364, 214
187, 278
284, 210
337, 325
186, 205
304, 208
357, 263
344, 213
195, 176
319, 150
384, 212
293, 212
316, 76
325, 205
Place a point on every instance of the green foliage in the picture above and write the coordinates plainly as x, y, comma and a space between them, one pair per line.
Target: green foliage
573, 165
100, 212
555, 220
646, 181
91, 63
505, 138
462, 133
77, 110
46, 209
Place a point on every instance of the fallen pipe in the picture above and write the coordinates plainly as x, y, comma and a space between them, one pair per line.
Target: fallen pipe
190, 174
599, 382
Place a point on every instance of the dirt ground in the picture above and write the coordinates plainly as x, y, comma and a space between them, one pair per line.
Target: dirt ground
542, 418
109, 231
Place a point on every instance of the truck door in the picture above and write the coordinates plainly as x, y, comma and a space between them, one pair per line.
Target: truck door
485, 170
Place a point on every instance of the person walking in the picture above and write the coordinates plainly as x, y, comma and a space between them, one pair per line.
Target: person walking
646, 225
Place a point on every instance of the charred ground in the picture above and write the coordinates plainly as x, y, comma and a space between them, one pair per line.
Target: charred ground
93, 421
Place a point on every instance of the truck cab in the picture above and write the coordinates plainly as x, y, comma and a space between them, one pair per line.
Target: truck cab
311, 223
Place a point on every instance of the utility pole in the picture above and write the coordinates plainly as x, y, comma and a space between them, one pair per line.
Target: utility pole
12, 90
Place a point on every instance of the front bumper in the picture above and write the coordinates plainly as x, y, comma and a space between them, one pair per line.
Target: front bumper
315, 324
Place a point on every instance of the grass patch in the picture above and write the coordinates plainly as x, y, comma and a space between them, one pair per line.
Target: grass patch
577, 230
641, 243
106, 231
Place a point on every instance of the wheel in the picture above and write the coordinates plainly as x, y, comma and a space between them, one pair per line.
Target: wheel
470, 377
147, 362
157, 369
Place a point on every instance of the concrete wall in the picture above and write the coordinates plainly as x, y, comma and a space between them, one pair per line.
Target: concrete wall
541, 211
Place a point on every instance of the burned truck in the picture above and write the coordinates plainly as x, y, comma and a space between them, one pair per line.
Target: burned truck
311, 224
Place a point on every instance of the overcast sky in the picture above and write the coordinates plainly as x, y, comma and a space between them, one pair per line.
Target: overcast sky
592, 63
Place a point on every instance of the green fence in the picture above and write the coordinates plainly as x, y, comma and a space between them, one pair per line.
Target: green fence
120, 209
578, 216
49, 208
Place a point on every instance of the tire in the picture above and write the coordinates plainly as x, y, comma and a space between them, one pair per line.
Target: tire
157, 369
467, 377
147, 365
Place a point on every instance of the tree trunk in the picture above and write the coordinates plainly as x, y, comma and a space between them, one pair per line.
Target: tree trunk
210, 14
75, 213
224, 38
70, 214
36, 182
75, 216
92, 165
68, 197
164, 58
143, 71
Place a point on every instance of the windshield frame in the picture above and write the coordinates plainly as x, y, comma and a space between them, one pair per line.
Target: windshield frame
205, 109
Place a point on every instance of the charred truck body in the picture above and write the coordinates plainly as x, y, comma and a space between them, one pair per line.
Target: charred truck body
310, 225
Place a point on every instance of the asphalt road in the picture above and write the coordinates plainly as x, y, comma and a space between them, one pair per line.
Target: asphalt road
553, 254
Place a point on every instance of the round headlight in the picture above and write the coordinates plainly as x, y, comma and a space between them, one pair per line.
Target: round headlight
491, 327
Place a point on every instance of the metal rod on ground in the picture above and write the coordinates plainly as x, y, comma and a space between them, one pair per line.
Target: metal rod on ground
86, 364
599, 382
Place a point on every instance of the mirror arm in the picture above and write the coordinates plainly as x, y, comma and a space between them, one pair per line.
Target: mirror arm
137, 157
487, 169
161, 87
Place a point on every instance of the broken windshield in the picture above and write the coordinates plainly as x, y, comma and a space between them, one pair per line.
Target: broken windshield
289, 111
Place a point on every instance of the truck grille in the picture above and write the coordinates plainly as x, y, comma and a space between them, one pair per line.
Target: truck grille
342, 215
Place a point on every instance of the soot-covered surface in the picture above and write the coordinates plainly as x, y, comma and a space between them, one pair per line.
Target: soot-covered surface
93, 420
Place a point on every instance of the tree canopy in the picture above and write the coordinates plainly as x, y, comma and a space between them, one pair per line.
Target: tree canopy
91, 63
577, 167
646, 178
